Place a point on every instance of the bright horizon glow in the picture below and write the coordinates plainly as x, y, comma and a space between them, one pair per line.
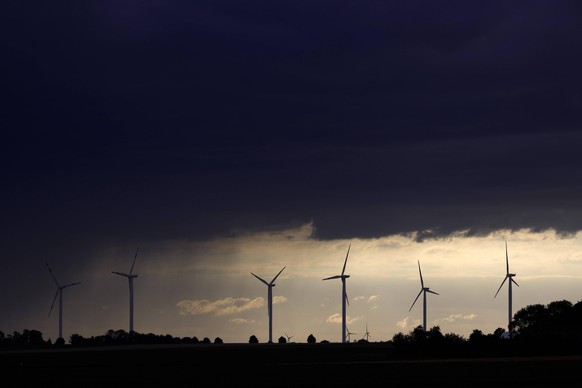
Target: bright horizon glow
205, 289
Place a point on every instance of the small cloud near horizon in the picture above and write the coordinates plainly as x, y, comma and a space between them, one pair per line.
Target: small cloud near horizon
241, 321
225, 306
457, 317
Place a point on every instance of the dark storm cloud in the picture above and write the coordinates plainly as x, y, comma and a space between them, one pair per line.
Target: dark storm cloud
144, 120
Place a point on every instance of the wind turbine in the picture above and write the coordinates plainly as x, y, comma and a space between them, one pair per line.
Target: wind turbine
367, 335
423, 290
269, 301
130, 276
510, 277
288, 337
349, 334
344, 295
59, 293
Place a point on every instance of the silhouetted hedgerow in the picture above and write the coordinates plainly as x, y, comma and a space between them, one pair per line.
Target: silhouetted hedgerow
536, 329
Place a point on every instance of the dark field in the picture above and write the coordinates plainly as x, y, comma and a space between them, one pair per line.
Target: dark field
275, 365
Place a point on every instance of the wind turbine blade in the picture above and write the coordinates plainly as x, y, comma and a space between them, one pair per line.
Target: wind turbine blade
346, 260
120, 273
53, 275
514, 282
504, 279
70, 285
54, 299
261, 279
273, 281
420, 272
506, 258
347, 299
132, 264
417, 296
432, 292
333, 277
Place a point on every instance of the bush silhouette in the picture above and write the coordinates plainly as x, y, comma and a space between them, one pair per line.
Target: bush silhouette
311, 339
253, 340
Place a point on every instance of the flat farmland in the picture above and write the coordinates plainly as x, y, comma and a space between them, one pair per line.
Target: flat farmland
275, 365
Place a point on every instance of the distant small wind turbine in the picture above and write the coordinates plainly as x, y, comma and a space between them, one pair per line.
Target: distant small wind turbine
367, 334
270, 286
130, 276
344, 294
423, 290
59, 293
288, 337
510, 277
349, 334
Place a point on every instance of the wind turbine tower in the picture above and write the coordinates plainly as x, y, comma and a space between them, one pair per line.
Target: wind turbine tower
270, 286
345, 299
509, 276
423, 290
59, 293
130, 276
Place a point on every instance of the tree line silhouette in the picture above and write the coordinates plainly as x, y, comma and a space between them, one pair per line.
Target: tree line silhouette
535, 329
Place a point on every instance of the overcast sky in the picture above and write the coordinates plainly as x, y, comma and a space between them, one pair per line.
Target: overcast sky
224, 137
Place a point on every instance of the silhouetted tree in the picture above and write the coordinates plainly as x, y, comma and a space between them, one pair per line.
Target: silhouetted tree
31, 338
206, 340
434, 334
218, 340
418, 334
476, 336
529, 320
77, 340
498, 333
282, 340
454, 338
311, 339
253, 339
189, 340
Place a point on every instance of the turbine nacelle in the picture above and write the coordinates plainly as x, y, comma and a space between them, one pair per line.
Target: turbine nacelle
69, 285
272, 283
127, 275
337, 277
426, 289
